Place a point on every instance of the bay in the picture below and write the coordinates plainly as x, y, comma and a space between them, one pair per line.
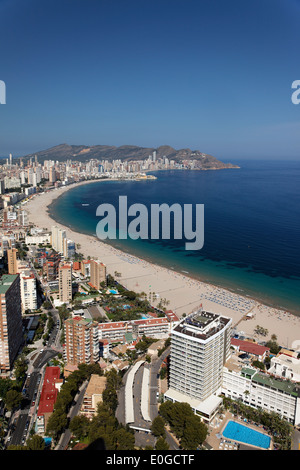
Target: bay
251, 225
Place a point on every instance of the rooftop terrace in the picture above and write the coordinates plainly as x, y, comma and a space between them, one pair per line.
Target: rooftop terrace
202, 324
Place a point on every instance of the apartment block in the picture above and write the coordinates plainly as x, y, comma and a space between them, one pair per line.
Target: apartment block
28, 291
65, 283
69, 248
11, 336
12, 260
50, 265
86, 268
98, 274
57, 238
81, 341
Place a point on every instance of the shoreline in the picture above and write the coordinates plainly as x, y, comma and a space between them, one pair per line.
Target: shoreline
184, 293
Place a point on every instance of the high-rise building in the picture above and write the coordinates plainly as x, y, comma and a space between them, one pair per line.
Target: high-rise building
57, 238
22, 177
86, 268
81, 341
12, 260
28, 291
52, 175
98, 274
65, 282
11, 337
69, 248
51, 265
30, 175
22, 217
200, 346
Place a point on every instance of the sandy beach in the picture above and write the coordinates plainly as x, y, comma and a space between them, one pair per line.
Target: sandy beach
183, 293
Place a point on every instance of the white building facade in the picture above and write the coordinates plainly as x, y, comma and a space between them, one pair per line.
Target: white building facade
200, 345
262, 390
28, 291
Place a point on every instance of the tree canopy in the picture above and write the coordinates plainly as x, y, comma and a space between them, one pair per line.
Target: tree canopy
187, 426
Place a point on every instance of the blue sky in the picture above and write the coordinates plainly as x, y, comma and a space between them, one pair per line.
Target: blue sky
212, 75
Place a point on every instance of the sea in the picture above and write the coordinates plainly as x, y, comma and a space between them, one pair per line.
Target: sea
251, 225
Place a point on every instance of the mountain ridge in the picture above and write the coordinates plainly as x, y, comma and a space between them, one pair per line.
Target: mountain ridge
63, 152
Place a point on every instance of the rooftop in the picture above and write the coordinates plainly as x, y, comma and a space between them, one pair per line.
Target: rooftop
49, 390
282, 385
97, 385
6, 281
249, 347
243, 367
202, 324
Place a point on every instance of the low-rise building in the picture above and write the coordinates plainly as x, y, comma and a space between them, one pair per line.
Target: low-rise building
249, 347
285, 366
261, 389
51, 386
93, 395
151, 327
155, 347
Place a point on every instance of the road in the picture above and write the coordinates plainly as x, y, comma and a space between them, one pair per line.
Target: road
65, 438
144, 438
22, 419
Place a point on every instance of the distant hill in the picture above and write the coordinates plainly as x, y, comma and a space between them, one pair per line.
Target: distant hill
83, 153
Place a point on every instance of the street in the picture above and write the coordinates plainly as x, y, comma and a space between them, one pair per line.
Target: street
144, 438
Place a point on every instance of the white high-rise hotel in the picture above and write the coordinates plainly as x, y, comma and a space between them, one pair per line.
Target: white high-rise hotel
200, 345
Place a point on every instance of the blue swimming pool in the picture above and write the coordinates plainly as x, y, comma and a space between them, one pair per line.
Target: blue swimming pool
240, 433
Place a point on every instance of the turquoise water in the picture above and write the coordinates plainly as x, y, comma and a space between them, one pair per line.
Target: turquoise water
239, 432
252, 225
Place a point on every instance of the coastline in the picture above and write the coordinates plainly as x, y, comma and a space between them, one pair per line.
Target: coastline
183, 292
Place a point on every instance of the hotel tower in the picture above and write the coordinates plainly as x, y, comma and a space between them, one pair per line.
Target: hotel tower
200, 345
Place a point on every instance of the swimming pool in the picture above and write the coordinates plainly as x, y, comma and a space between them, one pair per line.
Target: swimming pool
240, 433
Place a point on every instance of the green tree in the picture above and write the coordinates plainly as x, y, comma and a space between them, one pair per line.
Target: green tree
124, 440
184, 423
13, 399
161, 444
110, 397
5, 385
57, 423
103, 425
79, 427
20, 368
194, 433
158, 426
35, 443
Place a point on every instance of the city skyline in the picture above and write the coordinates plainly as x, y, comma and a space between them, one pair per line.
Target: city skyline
199, 75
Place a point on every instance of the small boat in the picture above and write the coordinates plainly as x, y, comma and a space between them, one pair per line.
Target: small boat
85, 204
